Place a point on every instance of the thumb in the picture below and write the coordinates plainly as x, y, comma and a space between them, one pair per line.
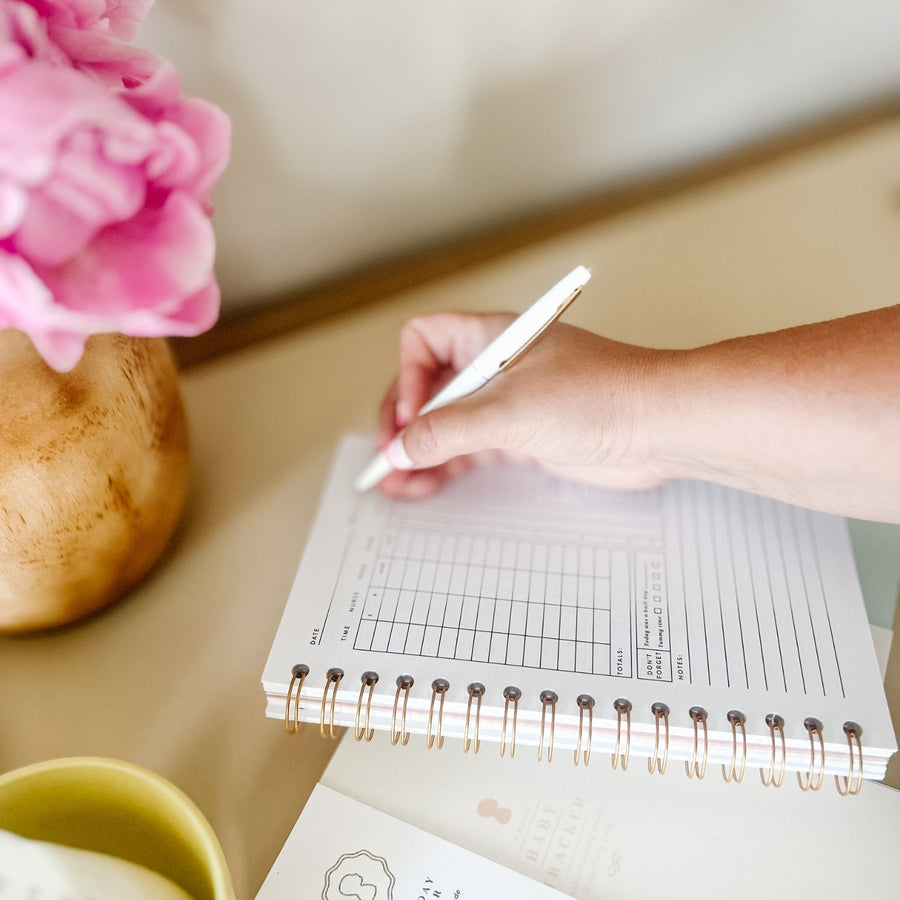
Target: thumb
441, 435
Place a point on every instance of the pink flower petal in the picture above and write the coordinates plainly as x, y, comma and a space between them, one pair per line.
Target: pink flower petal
60, 349
84, 195
119, 18
22, 293
153, 260
42, 104
196, 313
13, 205
211, 130
175, 161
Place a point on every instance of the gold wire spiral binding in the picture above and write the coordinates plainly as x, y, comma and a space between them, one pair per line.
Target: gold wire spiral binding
476, 691
585, 702
548, 698
511, 694
404, 683
776, 724
852, 783
698, 717
332, 680
622, 708
439, 687
660, 714
369, 680
298, 673
812, 780
732, 772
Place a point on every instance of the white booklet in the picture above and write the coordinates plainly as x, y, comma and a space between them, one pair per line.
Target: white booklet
596, 833
340, 849
689, 622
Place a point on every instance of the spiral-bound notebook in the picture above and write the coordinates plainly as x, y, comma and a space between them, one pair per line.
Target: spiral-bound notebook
688, 622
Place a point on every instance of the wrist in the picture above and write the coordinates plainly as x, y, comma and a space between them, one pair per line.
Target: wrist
674, 412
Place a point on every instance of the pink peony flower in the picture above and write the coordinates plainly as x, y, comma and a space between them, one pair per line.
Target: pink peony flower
105, 180
118, 18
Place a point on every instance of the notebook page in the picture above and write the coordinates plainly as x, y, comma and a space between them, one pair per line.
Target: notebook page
689, 593
341, 849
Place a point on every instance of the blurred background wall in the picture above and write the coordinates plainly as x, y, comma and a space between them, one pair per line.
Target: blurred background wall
363, 129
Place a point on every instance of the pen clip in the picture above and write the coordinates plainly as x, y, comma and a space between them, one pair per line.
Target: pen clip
506, 363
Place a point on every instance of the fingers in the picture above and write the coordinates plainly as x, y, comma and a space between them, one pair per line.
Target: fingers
388, 423
442, 435
418, 483
443, 444
437, 446
433, 349
577, 403
546, 406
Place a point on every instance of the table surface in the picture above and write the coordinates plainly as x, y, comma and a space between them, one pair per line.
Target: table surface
169, 677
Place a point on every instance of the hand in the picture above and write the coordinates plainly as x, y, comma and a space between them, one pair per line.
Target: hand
573, 403
809, 415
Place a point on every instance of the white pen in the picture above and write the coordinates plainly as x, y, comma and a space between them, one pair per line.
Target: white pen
497, 356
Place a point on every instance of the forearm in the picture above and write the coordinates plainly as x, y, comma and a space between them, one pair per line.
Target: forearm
810, 415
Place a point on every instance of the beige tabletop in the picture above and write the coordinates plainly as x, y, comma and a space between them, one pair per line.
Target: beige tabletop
169, 677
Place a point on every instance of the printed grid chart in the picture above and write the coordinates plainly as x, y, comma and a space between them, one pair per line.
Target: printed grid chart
492, 592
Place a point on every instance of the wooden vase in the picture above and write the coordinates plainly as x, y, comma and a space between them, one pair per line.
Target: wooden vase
93, 475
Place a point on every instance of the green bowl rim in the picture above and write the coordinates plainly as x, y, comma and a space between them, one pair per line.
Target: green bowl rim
219, 871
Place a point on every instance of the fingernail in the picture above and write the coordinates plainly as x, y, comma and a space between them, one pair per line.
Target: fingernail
397, 454
401, 414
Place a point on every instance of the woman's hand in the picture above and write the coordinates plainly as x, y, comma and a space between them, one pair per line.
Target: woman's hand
809, 415
576, 403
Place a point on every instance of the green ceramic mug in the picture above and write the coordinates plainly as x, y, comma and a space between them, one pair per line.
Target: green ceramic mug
119, 809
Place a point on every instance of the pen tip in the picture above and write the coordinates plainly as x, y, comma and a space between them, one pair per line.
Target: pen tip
378, 468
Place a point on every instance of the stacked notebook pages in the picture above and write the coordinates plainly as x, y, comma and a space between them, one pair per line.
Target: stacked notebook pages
688, 623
